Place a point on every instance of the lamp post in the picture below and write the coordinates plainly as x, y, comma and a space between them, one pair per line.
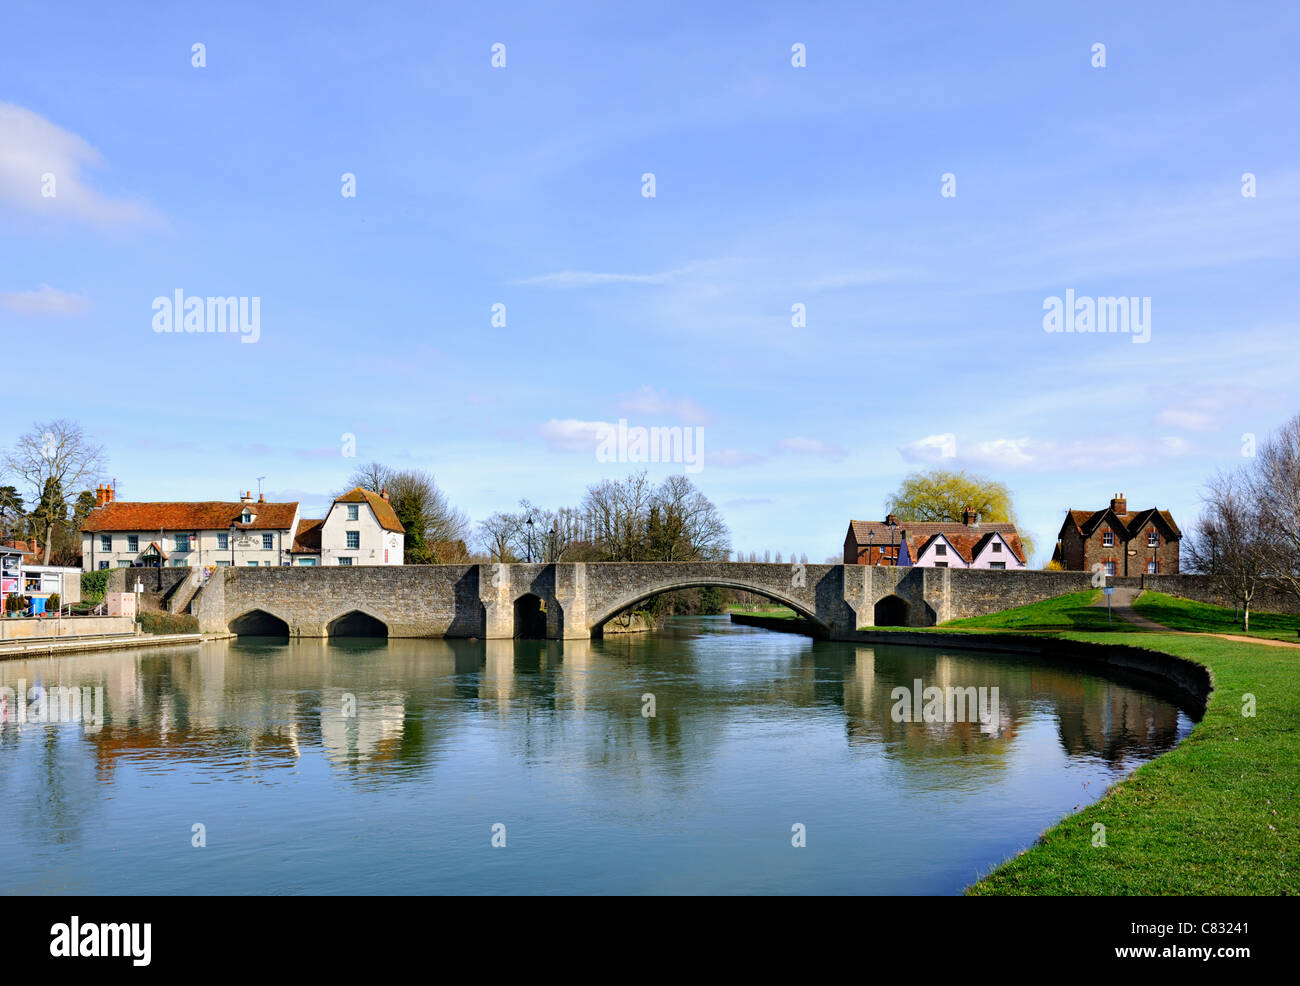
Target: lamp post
871, 541
232, 544
529, 540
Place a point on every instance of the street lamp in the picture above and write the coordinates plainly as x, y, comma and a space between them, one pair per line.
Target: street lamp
232, 544
530, 540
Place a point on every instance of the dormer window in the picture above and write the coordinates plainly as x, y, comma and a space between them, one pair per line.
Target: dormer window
246, 517
1108, 539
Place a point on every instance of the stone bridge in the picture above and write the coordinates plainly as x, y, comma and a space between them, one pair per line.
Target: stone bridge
575, 600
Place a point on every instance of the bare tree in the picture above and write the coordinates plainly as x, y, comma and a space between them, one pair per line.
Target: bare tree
497, 535
54, 459
1275, 486
1231, 545
373, 476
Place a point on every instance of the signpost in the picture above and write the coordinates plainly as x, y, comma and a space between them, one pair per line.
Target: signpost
1108, 591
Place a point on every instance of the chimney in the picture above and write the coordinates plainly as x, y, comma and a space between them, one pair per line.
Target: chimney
261, 498
247, 497
110, 493
970, 518
101, 495
1118, 504
383, 493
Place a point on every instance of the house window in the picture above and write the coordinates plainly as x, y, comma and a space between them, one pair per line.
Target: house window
103, 565
1110, 568
941, 564
941, 549
133, 542
223, 542
1153, 568
180, 563
106, 542
252, 564
224, 563
268, 542
1153, 539
354, 540
307, 562
246, 518
182, 542
997, 547
345, 561
353, 512
997, 564
1108, 539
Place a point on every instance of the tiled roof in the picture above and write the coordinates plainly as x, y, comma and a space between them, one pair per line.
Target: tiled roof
121, 515
967, 539
307, 538
382, 508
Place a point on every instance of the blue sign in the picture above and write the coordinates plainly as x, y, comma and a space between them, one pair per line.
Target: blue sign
1109, 590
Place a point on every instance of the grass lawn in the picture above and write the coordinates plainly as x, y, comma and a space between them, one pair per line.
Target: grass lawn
1216, 815
1073, 611
1186, 614
777, 612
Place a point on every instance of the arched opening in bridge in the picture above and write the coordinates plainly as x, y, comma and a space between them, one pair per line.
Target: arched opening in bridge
891, 612
259, 623
707, 597
530, 618
357, 624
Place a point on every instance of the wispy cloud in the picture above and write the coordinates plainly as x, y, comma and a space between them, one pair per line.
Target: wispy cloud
1044, 455
647, 400
43, 170
588, 278
812, 446
572, 435
45, 301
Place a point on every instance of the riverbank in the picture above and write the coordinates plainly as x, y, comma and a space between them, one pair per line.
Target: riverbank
1215, 815
46, 646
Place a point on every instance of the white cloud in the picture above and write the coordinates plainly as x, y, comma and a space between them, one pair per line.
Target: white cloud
572, 435
32, 148
931, 448
812, 446
647, 400
1039, 455
587, 278
45, 301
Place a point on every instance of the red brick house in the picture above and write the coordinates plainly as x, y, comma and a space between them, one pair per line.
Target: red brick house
1124, 542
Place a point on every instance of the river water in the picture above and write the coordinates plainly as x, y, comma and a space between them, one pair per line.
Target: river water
702, 758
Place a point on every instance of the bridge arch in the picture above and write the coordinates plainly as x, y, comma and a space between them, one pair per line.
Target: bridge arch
259, 623
356, 623
892, 611
530, 617
803, 608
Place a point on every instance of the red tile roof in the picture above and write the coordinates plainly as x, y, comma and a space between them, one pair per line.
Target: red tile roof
966, 539
383, 509
1131, 522
306, 540
121, 515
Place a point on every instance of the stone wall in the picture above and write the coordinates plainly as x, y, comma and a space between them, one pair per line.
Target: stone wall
30, 628
1195, 587
578, 599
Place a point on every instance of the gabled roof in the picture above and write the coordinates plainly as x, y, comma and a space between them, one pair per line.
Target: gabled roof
121, 515
384, 512
1129, 524
306, 540
967, 540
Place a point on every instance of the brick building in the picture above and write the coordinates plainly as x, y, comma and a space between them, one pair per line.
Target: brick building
1123, 542
934, 544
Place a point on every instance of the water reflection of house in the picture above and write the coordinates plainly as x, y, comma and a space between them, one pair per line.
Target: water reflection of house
1116, 723
374, 734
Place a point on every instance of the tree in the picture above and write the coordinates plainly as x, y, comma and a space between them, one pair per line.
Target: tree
1274, 483
944, 495
373, 476
497, 534
11, 510
1232, 544
436, 532
53, 457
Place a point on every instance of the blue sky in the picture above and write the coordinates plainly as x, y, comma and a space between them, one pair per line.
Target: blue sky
774, 186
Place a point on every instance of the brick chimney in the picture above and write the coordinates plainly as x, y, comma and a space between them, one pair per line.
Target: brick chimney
383, 493
261, 498
247, 497
969, 517
101, 495
1118, 504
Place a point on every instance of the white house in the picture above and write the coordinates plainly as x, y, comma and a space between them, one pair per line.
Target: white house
361, 528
